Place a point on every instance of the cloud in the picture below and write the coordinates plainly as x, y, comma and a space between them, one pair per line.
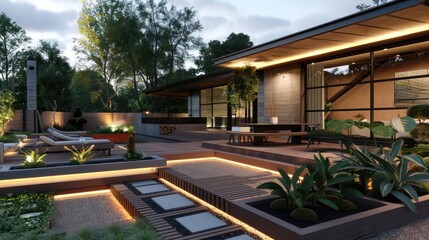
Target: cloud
32, 19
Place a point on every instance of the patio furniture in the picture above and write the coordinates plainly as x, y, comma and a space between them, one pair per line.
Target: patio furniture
269, 128
68, 133
60, 135
263, 135
324, 135
46, 144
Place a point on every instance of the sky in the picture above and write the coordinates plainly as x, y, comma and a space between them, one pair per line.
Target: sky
262, 20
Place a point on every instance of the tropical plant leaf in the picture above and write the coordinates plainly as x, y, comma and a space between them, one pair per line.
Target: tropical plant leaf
296, 176
403, 124
320, 166
285, 176
396, 148
405, 200
340, 179
383, 131
351, 192
307, 182
280, 192
386, 188
411, 191
337, 166
333, 193
340, 125
328, 203
403, 169
416, 159
418, 177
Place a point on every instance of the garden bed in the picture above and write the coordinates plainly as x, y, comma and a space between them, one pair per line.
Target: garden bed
105, 171
25, 212
376, 216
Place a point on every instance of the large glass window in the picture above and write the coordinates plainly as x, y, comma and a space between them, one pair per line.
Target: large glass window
214, 107
343, 91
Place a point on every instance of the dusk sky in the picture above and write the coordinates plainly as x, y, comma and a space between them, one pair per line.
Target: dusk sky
55, 20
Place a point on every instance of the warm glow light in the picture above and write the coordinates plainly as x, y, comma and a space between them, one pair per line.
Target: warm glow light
74, 177
239, 63
226, 161
80, 194
216, 210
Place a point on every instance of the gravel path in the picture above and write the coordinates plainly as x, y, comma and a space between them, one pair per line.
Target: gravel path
74, 213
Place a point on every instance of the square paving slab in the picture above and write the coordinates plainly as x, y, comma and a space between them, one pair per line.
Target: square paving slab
200, 222
152, 188
143, 183
241, 237
172, 202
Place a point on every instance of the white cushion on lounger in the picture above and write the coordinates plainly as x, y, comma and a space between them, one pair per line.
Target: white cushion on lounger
50, 141
65, 137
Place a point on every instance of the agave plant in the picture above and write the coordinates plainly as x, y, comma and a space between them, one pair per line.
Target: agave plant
327, 176
80, 156
34, 159
393, 171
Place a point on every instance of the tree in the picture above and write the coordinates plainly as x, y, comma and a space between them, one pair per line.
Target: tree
363, 6
215, 49
168, 35
85, 88
243, 88
54, 75
6, 109
12, 38
96, 25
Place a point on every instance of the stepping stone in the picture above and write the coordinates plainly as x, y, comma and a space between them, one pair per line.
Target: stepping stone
143, 183
241, 237
152, 188
172, 202
200, 222
30, 215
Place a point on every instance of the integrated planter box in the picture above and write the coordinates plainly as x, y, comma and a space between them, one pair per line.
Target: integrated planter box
100, 169
359, 225
113, 137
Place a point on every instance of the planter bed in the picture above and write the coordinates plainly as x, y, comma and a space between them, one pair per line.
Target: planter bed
16, 176
113, 137
383, 216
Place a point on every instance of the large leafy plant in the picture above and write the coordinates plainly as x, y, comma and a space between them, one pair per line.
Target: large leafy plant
326, 177
311, 189
391, 173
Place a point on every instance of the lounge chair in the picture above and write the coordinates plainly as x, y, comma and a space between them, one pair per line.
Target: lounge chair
64, 137
46, 144
68, 133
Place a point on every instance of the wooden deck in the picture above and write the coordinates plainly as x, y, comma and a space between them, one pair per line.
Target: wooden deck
217, 191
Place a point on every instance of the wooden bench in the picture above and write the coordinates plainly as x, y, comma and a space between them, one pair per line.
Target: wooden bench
265, 135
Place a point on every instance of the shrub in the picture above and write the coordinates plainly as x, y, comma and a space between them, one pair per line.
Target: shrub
420, 111
80, 156
420, 132
6, 109
34, 159
392, 174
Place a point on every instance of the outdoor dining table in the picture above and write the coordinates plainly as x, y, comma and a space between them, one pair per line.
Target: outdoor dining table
270, 127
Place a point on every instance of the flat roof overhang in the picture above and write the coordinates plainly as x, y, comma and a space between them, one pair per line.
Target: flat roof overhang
402, 19
182, 88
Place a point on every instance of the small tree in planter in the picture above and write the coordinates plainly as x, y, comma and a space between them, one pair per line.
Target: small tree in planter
243, 88
6, 109
77, 121
132, 154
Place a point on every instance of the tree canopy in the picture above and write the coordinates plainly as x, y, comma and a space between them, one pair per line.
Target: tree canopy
215, 49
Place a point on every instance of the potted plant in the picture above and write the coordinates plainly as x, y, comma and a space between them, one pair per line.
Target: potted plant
132, 154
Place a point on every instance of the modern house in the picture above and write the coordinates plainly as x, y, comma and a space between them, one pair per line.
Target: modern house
374, 63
